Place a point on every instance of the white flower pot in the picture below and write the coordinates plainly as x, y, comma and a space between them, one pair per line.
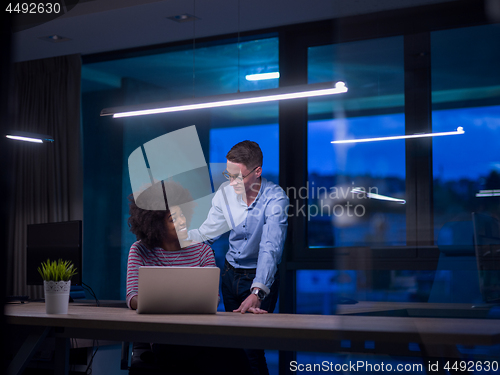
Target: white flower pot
56, 296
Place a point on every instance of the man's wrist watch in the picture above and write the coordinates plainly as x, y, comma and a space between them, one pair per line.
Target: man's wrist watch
259, 293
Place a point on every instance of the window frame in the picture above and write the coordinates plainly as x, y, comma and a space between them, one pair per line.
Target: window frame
415, 25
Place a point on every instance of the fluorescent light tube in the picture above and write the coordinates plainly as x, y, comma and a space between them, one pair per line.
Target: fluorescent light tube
249, 97
459, 130
262, 76
378, 196
26, 139
29, 137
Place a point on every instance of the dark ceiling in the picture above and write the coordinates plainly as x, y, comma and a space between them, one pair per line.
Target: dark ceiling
94, 26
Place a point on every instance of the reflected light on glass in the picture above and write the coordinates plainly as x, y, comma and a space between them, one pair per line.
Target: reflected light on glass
282, 93
25, 139
459, 131
262, 76
488, 193
378, 196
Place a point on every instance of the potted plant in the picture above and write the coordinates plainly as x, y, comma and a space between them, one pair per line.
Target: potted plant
56, 277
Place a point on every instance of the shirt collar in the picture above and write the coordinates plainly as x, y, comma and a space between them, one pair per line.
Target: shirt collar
263, 181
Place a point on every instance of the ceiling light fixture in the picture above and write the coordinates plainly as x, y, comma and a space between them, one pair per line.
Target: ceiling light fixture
186, 17
26, 139
54, 38
262, 76
29, 137
459, 130
249, 97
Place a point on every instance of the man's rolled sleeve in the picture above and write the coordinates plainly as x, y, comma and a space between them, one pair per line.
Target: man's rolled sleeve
213, 227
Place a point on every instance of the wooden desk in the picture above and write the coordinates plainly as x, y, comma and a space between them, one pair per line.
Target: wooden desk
317, 333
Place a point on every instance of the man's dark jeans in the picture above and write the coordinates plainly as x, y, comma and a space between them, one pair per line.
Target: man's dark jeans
236, 285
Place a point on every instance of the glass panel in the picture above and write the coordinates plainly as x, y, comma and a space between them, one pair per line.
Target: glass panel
465, 92
329, 292
162, 75
326, 291
373, 71
217, 132
222, 139
466, 168
183, 73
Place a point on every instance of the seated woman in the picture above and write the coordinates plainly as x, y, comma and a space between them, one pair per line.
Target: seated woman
161, 231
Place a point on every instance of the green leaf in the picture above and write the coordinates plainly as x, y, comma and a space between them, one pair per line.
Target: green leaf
57, 270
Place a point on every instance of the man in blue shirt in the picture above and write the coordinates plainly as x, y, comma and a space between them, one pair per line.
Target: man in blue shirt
254, 211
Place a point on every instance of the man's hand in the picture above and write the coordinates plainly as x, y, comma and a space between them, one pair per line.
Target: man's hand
251, 304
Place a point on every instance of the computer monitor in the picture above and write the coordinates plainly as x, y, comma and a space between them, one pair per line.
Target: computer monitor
487, 249
53, 241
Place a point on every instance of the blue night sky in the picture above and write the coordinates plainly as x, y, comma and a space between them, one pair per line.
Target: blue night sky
267, 136
380, 159
473, 154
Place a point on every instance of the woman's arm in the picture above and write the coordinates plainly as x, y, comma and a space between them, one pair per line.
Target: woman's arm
135, 260
133, 303
207, 257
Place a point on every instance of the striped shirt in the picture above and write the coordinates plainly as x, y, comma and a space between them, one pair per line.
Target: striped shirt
196, 255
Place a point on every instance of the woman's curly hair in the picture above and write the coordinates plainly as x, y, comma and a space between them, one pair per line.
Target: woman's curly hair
148, 211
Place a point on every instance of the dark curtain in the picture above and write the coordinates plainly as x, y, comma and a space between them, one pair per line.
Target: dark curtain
5, 47
46, 178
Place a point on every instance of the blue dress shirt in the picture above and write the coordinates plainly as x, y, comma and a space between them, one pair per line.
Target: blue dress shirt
257, 232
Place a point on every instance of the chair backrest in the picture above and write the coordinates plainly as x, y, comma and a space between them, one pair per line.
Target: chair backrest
487, 249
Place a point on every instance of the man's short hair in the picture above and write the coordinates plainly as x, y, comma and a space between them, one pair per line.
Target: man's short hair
247, 153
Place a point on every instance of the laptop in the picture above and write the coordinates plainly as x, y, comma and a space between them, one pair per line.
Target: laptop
178, 290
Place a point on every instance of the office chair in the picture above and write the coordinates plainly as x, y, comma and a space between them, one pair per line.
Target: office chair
142, 360
218, 361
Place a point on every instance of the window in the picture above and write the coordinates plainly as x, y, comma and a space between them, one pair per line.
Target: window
373, 107
153, 76
222, 139
465, 92
466, 168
